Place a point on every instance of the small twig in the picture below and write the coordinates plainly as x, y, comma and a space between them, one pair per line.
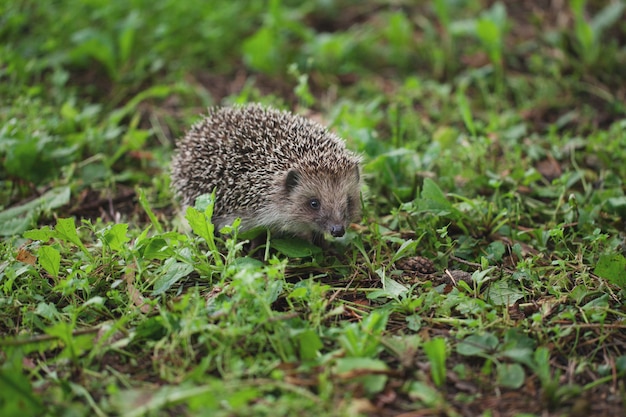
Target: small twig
282, 317
463, 261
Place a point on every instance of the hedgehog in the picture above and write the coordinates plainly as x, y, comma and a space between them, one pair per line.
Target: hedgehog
270, 168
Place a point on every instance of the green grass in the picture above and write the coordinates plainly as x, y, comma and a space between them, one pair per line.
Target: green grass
487, 276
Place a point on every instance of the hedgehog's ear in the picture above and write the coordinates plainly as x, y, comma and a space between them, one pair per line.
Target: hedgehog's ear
292, 180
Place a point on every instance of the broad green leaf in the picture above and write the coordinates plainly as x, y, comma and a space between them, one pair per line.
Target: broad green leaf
497, 14
433, 199
510, 375
116, 238
390, 287
298, 293
69, 111
156, 248
172, 272
612, 267
518, 347
408, 246
246, 262
436, 352
260, 50
274, 290
495, 251
394, 288
242, 397
502, 293
617, 205
16, 394
463, 27
295, 248
520, 355
477, 345
542, 367
488, 32
75, 345
481, 276
49, 259
310, 344
516, 337
608, 16
18, 219
432, 193
363, 339
44, 234
47, 310
80, 343
360, 364
428, 395
97, 301
61, 330
16, 225
66, 230
414, 322
205, 203
137, 403
152, 328
376, 322
200, 223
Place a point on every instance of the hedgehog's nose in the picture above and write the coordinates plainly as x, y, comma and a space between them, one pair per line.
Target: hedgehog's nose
337, 230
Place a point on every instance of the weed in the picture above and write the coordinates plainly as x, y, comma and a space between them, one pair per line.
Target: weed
493, 139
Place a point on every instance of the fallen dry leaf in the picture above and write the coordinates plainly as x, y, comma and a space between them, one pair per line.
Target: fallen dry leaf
25, 256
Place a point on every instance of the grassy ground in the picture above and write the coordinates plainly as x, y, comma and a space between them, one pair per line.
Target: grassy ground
487, 276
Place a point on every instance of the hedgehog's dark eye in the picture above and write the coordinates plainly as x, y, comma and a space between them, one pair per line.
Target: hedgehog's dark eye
315, 204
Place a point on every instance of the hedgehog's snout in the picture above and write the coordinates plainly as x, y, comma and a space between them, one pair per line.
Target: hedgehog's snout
337, 230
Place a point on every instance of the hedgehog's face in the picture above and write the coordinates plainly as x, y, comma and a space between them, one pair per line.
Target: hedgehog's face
323, 202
